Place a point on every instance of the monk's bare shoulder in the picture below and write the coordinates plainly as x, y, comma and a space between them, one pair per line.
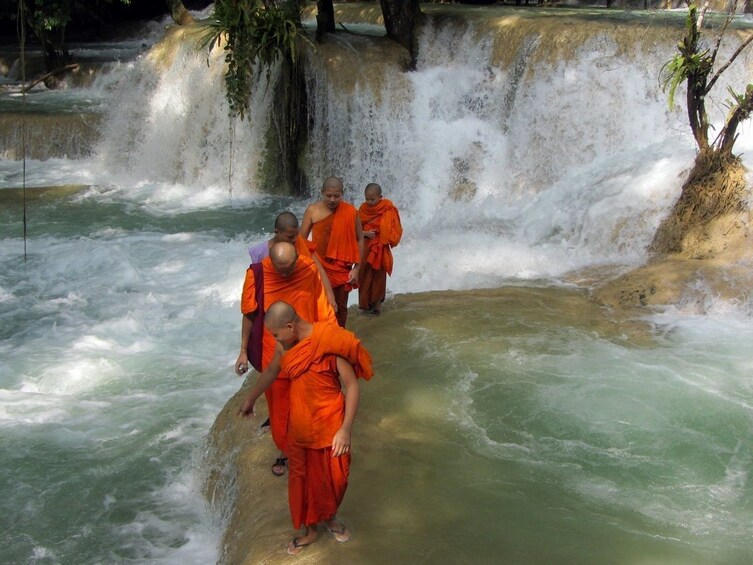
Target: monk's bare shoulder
318, 211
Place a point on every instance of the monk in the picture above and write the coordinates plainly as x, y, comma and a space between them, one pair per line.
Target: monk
336, 231
382, 231
295, 279
287, 229
318, 359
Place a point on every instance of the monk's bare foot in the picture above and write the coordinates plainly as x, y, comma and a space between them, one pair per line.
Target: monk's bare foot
296, 545
278, 469
338, 530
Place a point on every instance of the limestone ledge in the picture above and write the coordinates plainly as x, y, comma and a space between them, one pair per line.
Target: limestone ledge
716, 262
241, 489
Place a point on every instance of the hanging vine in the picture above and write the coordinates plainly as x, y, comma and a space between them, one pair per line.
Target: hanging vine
254, 36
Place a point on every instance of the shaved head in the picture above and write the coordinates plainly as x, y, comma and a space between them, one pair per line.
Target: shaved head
286, 221
334, 183
286, 228
373, 188
279, 315
283, 256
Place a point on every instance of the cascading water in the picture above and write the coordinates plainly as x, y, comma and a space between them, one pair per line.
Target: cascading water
516, 153
524, 171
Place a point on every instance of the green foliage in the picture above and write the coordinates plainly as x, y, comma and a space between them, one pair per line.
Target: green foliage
691, 64
50, 15
256, 37
48, 19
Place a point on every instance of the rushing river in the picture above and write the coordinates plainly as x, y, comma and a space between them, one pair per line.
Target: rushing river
517, 424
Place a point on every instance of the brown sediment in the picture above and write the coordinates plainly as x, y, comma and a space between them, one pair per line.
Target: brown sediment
561, 32
240, 486
163, 53
49, 136
716, 261
403, 434
8, 195
352, 60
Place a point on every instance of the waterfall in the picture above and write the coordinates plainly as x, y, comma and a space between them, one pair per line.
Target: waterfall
525, 147
523, 151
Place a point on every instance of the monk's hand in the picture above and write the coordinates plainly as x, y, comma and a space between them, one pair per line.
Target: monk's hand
341, 442
247, 408
353, 275
241, 364
369, 234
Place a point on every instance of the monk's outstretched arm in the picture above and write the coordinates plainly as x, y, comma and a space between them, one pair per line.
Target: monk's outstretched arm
307, 223
325, 281
341, 441
264, 381
361, 251
241, 364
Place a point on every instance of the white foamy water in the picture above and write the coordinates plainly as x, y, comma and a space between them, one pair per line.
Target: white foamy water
117, 346
525, 172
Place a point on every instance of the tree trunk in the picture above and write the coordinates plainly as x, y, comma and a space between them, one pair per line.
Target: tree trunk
178, 12
716, 186
287, 133
56, 56
325, 18
400, 20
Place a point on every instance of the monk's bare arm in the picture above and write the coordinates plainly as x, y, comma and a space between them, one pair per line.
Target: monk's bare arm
241, 364
307, 223
361, 249
341, 441
325, 282
265, 380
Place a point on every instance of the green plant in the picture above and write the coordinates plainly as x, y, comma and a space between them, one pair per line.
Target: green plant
255, 37
694, 66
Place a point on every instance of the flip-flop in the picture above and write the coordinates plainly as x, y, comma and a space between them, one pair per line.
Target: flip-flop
280, 462
297, 547
341, 535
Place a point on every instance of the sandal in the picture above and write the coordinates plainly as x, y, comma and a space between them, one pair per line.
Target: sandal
280, 462
295, 546
341, 534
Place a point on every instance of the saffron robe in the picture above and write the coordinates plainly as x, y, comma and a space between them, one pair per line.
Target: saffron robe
336, 243
260, 250
304, 291
317, 481
384, 219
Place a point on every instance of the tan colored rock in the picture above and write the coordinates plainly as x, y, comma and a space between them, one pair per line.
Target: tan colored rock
715, 262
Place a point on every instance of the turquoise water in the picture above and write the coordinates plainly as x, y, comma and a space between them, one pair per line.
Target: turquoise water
526, 425
117, 338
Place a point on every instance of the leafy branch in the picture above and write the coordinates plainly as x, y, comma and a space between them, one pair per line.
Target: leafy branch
255, 36
693, 65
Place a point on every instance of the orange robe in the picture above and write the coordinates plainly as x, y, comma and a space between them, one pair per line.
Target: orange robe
384, 219
317, 481
337, 247
302, 246
304, 291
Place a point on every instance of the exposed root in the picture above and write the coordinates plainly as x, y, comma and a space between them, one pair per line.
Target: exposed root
716, 187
